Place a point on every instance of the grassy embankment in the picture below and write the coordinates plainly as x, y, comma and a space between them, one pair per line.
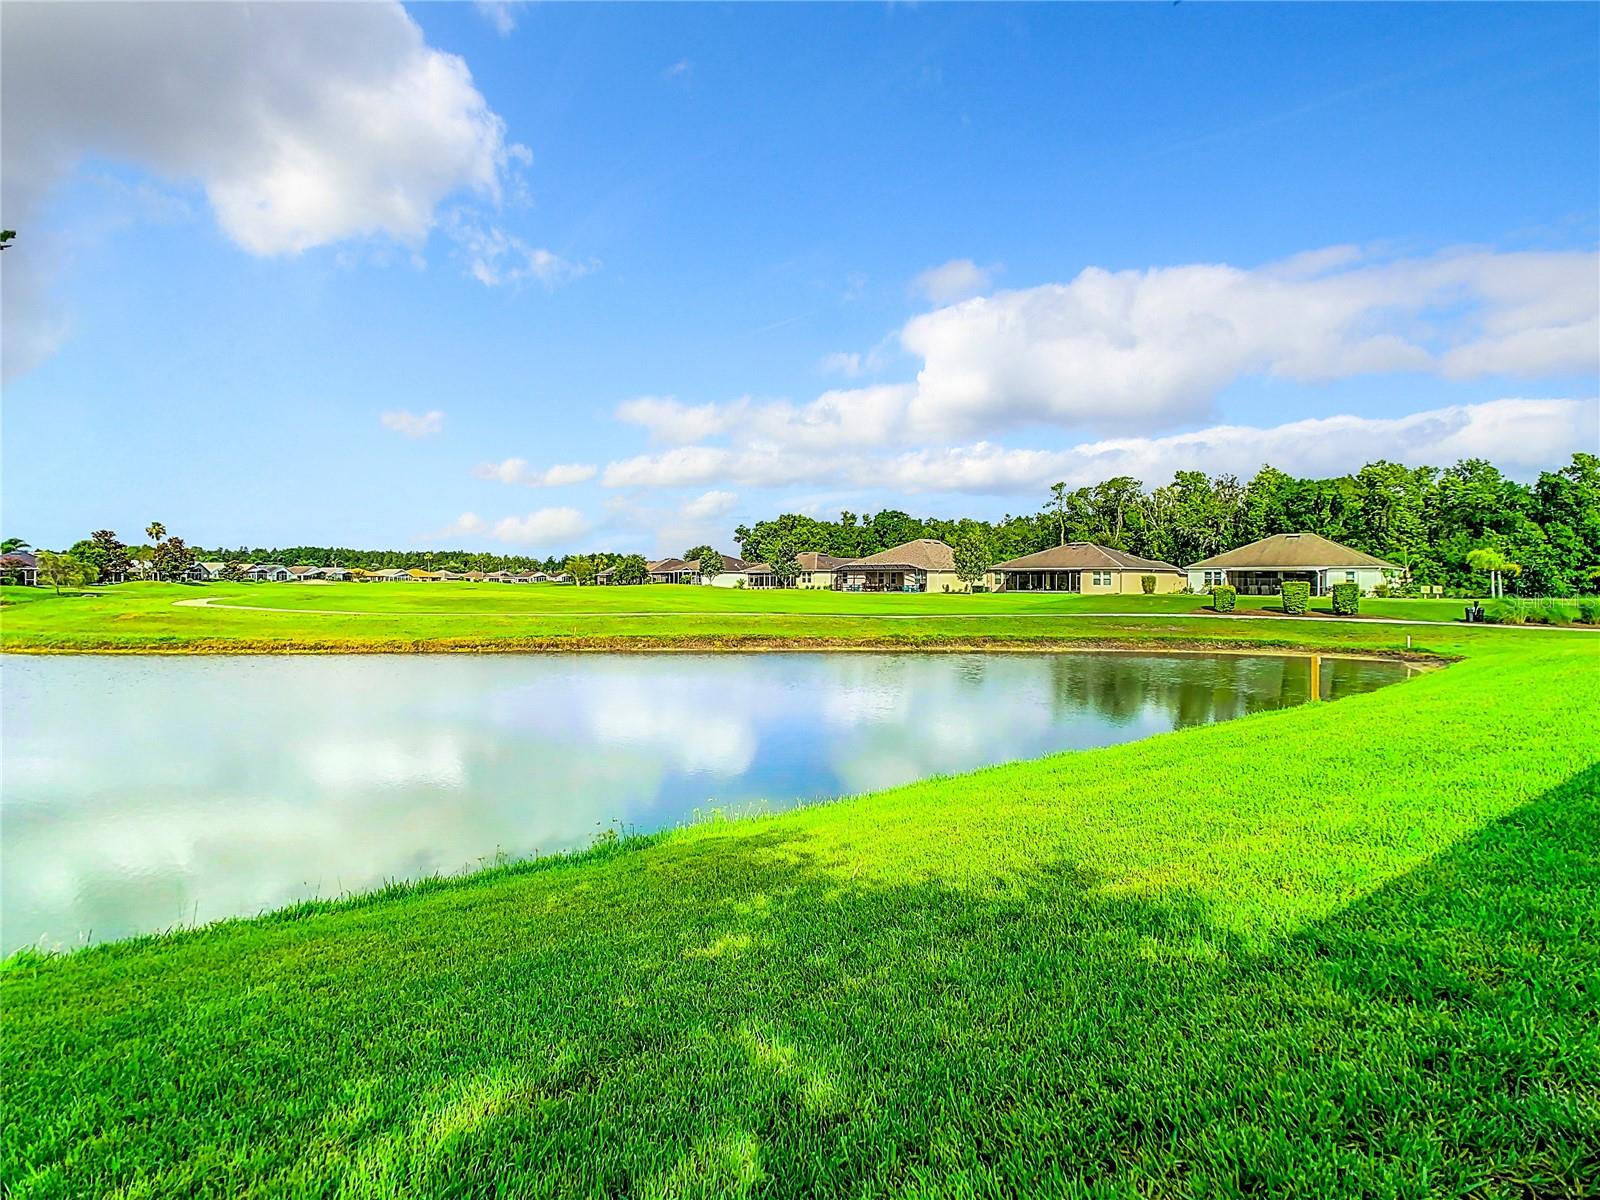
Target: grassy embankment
1348, 949
377, 617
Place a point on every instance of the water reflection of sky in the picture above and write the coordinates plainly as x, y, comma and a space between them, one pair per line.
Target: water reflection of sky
142, 793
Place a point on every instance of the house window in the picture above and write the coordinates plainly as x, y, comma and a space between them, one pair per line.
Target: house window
1349, 576
1102, 579
1216, 578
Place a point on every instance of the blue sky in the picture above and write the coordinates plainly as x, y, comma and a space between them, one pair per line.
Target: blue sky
363, 275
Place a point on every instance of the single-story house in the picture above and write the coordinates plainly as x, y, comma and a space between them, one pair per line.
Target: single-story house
338, 573
265, 572
21, 567
923, 565
816, 570
604, 577
732, 573
1084, 567
420, 576
498, 577
1262, 567
674, 570
561, 577
473, 576
206, 571
392, 575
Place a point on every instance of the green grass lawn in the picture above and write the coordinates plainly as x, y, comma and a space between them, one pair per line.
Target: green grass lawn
1350, 949
464, 616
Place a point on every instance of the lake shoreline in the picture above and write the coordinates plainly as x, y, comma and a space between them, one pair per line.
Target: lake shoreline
752, 645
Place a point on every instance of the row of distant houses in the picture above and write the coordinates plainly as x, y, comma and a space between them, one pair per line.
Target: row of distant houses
277, 573
923, 565
928, 565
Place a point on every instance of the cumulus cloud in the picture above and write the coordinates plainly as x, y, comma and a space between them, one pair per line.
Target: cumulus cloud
709, 506
303, 124
1137, 352
413, 425
954, 280
516, 470
843, 362
495, 257
544, 527
1519, 434
500, 14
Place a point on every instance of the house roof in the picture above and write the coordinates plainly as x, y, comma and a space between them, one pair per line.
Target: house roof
730, 564
923, 554
391, 572
21, 558
1085, 556
669, 566
810, 561
303, 570
213, 567
1292, 551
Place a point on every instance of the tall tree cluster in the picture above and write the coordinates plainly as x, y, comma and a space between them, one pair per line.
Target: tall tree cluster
1426, 519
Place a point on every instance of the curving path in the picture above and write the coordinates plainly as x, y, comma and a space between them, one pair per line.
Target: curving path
211, 602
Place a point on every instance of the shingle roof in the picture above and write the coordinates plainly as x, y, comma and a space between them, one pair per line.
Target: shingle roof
730, 564
810, 561
668, 566
1085, 556
1292, 551
923, 554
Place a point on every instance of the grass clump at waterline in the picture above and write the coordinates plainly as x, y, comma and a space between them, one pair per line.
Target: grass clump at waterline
1346, 949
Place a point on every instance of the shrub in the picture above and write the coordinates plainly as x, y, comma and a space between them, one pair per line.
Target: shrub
1589, 611
1506, 611
1549, 612
1296, 596
1222, 598
1346, 598
1147, 584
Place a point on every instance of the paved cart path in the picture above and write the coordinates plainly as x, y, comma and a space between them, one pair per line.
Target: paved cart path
210, 602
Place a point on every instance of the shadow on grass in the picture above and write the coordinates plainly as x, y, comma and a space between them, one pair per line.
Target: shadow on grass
726, 1016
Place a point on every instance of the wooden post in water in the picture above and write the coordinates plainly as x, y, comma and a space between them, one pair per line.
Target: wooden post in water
1316, 677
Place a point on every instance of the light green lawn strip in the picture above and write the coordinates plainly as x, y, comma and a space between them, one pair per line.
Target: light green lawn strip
1349, 949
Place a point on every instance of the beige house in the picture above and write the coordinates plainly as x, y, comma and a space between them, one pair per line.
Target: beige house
1261, 568
816, 570
923, 565
1086, 568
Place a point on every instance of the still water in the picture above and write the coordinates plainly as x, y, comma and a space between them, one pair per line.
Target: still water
141, 793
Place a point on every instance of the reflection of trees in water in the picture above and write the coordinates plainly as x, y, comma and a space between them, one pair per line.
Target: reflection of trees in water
1197, 689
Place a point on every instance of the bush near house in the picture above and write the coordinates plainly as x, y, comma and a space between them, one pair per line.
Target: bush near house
1296, 596
1148, 584
1222, 598
1588, 611
1346, 599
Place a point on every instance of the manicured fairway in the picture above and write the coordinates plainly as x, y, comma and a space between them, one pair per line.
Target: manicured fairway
462, 616
1349, 949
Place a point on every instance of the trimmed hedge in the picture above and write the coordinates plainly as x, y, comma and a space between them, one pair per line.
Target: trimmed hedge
1222, 598
1148, 584
1296, 596
1346, 598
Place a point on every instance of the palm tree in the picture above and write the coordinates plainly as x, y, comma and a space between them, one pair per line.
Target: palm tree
10, 544
1487, 558
155, 531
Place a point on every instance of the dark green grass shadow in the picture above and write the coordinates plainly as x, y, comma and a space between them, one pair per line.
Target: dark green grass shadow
729, 1016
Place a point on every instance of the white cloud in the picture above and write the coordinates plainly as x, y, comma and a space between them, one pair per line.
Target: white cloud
500, 14
495, 257
1518, 434
842, 363
1141, 351
1137, 350
709, 506
413, 425
466, 525
304, 124
954, 280
544, 527
515, 470
670, 421
681, 69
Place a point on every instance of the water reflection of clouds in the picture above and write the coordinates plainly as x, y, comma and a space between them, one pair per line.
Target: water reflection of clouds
143, 793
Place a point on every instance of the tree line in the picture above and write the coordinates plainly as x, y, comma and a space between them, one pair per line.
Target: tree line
1428, 520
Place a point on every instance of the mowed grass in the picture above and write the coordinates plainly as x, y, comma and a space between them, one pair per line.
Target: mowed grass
1351, 949
463, 616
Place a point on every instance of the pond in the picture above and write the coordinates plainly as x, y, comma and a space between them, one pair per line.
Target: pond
142, 793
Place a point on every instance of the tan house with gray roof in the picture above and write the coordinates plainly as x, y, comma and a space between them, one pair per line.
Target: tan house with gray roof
1262, 567
1086, 568
923, 565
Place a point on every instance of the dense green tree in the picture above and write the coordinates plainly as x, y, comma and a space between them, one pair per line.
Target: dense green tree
64, 571
973, 557
784, 563
631, 569
709, 560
